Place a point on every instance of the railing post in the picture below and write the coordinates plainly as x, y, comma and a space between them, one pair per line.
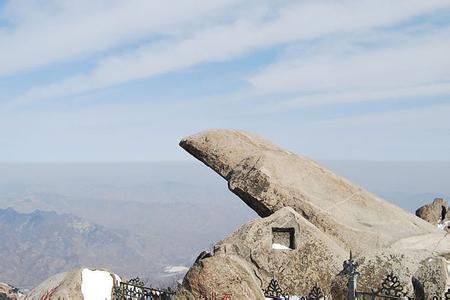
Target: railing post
350, 269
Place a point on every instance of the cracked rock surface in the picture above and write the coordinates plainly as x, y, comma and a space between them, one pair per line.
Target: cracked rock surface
267, 178
311, 219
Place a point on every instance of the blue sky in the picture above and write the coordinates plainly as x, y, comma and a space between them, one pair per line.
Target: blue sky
118, 80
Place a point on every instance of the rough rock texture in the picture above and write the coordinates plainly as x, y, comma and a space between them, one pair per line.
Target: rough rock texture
268, 178
419, 275
433, 275
219, 275
436, 244
65, 285
314, 257
248, 256
8, 292
435, 212
376, 265
328, 215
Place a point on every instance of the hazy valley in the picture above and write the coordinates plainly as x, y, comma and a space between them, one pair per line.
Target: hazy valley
150, 219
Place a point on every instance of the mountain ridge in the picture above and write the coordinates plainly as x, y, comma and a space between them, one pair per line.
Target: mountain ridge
42, 243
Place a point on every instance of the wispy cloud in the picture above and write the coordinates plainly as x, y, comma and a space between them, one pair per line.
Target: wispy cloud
119, 80
416, 61
42, 33
243, 33
416, 66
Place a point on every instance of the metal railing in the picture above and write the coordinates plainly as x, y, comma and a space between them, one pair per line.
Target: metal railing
135, 289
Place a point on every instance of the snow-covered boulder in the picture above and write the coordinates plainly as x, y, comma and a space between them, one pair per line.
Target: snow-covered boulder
78, 284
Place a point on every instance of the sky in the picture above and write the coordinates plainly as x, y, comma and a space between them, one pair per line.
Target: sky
105, 81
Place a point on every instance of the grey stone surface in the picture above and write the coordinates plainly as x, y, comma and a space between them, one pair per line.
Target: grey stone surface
268, 178
220, 275
65, 285
375, 266
248, 254
434, 212
328, 214
433, 276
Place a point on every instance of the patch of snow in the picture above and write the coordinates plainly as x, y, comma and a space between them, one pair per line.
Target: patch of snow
443, 225
82, 226
176, 269
117, 279
96, 285
277, 246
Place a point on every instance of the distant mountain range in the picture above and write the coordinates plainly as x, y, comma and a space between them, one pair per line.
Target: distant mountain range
148, 219
35, 245
135, 220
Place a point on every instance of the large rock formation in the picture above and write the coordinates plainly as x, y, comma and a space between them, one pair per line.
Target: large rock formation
268, 178
283, 245
329, 217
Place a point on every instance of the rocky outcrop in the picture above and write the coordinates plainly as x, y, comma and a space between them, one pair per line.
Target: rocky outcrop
433, 275
78, 284
436, 213
312, 218
8, 292
268, 178
284, 246
375, 266
218, 276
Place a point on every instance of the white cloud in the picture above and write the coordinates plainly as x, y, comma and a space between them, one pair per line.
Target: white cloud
249, 31
354, 96
54, 31
333, 52
416, 67
417, 61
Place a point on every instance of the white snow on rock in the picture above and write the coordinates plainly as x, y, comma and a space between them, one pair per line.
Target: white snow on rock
277, 246
117, 279
443, 225
96, 285
176, 269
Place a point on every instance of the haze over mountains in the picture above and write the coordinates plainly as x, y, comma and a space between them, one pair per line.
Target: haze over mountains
38, 244
143, 218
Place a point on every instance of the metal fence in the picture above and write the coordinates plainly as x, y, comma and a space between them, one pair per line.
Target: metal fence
274, 291
390, 288
135, 289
